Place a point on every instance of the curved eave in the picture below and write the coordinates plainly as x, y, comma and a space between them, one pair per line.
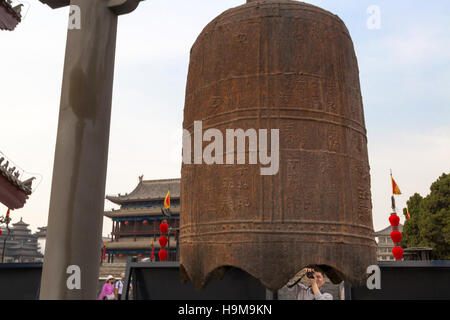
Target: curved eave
10, 195
147, 190
387, 231
145, 212
123, 200
15, 181
124, 245
8, 17
115, 200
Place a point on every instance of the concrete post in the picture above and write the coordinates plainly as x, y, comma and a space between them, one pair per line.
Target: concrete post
74, 235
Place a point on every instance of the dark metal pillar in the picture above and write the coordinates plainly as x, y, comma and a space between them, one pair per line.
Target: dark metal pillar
79, 172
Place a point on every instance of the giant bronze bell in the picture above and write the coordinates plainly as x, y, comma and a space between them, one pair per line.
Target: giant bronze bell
290, 66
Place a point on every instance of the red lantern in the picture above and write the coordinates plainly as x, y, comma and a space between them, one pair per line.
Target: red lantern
162, 255
145, 222
398, 253
164, 227
120, 255
394, 220
126, 223
163, 241
1, 232
396, 236
140, 255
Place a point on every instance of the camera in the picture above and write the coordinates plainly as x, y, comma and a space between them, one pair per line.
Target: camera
310, 275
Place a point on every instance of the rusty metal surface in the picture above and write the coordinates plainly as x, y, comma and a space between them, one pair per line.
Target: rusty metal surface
290, 66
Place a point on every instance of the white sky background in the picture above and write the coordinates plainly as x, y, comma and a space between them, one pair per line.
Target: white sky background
404, 71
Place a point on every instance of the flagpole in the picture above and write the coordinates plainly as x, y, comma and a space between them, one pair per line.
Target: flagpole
392, 197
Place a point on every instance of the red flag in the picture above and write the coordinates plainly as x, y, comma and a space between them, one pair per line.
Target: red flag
167, 201
395, 188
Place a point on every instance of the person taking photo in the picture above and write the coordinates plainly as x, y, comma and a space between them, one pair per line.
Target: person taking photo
316, 279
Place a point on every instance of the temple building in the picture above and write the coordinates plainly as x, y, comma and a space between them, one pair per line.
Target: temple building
385, 244
135, 226
21, 245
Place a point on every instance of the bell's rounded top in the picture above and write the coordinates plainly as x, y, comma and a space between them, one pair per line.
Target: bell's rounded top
285, 9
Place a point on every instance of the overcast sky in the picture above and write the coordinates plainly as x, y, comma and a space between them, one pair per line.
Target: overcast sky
404, 72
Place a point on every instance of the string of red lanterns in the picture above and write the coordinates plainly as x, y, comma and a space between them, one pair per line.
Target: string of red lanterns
164, 229
394, 220
396, 236
163, 241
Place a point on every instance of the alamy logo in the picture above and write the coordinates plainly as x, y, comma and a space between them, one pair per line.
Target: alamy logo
214, 152
374, 280
374, 20
74, 280
74, 18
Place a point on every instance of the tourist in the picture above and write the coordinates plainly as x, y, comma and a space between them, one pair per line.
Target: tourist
313, 291
118, 287
108, 290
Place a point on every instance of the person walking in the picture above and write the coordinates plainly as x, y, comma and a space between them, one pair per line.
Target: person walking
118, 287
108, 290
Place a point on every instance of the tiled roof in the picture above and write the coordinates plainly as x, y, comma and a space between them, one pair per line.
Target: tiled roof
387, 231
24, 186
21, 224
42, 232
140, 212
121, 245
9, 18
148, 190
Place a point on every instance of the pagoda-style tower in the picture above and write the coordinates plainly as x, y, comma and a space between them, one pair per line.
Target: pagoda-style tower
135, 229
21, 244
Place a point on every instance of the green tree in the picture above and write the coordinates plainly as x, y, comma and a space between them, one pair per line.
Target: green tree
411, 235
429, 225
